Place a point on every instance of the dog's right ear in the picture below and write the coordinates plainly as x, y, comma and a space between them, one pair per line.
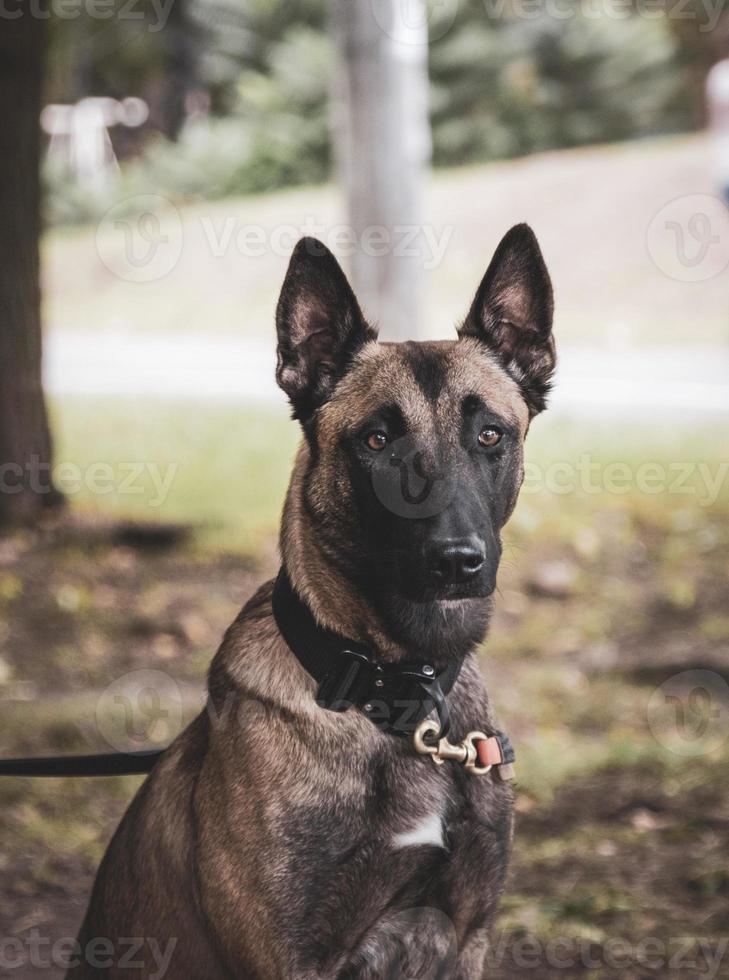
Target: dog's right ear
319, 326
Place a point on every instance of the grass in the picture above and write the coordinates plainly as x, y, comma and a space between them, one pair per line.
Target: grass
225, 467
232, 464
222, 468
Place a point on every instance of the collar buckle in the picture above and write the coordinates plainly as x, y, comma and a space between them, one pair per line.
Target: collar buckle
348, 682
394, 696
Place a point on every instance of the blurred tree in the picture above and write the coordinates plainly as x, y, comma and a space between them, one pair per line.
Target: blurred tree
181, 42
115, 55
504, 82
702, 35
148, 49
384, 148
25, 443
551, 82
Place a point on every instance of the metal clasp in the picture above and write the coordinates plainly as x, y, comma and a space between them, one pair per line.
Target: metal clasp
440, 749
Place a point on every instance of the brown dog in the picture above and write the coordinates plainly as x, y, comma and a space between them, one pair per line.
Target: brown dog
298, 829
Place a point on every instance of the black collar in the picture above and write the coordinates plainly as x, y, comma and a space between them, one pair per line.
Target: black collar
395, 697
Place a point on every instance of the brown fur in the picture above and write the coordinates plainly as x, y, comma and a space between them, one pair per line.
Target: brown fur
214, 853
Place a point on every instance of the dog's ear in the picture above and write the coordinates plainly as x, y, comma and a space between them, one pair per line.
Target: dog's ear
319, 326
512, 314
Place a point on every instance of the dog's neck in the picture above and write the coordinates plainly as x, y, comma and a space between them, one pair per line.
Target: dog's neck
332, 597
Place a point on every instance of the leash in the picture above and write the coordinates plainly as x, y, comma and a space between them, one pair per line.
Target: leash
109, 764
397, 698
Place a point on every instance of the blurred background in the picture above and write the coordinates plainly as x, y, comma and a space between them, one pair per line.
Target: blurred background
158, 161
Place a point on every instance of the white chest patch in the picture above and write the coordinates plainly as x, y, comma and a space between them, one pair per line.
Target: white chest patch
429, 830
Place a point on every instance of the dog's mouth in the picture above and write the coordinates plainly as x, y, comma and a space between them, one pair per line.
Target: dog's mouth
437, 624
448, 596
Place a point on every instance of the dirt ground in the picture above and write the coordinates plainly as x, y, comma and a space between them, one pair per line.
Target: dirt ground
620, 861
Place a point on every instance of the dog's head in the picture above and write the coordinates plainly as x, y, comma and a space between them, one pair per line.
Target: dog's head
413, 455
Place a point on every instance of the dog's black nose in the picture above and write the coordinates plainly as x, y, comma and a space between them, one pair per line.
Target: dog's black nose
455, 560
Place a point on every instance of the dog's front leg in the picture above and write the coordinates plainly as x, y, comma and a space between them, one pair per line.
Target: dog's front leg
411, 942
472, 958
310, 975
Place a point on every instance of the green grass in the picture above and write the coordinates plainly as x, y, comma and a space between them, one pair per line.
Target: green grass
231, 466
620, 835
223, 468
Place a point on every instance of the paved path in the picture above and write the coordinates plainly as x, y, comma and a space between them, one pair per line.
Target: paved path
590, 380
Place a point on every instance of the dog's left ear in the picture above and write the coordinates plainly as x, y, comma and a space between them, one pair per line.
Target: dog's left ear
319, 326
512, 314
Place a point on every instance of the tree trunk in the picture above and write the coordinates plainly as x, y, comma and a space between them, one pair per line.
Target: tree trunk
25, 445
180, 42
383, 146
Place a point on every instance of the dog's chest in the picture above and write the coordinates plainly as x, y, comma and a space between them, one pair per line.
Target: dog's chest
425, 830
391, 805
386, 837
419, 808
389, 831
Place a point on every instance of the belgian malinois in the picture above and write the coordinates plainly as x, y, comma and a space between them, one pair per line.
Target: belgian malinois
340, 810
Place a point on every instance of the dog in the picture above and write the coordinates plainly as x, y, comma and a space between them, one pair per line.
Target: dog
337, 811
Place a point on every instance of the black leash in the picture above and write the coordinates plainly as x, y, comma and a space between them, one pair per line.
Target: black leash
395, 697
109, 764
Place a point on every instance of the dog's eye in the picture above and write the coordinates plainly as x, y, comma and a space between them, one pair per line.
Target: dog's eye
376, 441
490, 437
